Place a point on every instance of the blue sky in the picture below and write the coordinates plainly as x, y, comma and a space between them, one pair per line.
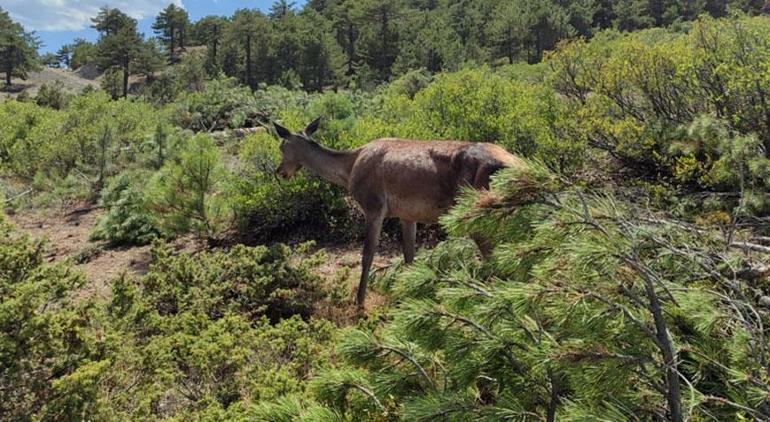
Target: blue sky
58, 22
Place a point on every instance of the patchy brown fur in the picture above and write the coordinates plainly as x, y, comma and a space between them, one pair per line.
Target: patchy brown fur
415, 181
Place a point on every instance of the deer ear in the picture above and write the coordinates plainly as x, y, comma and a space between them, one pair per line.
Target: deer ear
282, 131
312, 127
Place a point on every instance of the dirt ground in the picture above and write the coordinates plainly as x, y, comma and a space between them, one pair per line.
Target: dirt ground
66, 238
71, 81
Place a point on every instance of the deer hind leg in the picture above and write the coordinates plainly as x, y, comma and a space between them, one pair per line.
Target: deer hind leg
409, 235
484, 245
372, 238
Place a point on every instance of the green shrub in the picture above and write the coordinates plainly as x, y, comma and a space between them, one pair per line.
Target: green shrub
127, 220
221, 105
214, 333
52, 95
274, 282
26, 133
188, 193
674, 105
211, 333
47, 349
410, 83
481, 105
89, 140
269, 209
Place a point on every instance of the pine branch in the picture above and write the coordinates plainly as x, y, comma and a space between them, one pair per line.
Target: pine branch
412, 360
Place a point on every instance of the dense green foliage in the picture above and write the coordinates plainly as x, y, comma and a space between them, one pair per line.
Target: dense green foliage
363, 43
210, 335
590, 307
42, 337
628, 279
688, 106
171, 26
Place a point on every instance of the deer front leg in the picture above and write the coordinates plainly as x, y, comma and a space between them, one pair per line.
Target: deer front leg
373, 227
409, 234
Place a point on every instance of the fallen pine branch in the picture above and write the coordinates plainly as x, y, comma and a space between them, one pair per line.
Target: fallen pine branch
746, 246
15, 197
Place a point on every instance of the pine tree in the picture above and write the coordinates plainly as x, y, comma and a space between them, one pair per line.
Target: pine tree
50, 60
379, 39
64, 54
148, 59
347, 33
509, 30
321, 59
428, 41
631, 15
119, 43
209, 31
281, 8
187, 192
110, 21
249, 32
83, 52
171, 26
18, 48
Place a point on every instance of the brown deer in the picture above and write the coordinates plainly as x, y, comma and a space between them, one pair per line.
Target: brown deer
415, 181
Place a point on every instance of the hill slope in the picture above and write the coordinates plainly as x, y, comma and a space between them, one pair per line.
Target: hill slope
72, 81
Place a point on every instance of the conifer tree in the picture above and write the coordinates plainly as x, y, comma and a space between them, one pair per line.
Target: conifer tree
209, 31
83, 52
321, 59
281, 8
119, 43
249, 32
347, 33
64, 54
379, 39
18, 48
171, 26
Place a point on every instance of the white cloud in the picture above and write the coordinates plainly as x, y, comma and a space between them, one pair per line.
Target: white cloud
74, 15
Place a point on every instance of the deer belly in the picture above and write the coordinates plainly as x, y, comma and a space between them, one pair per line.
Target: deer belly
416, 209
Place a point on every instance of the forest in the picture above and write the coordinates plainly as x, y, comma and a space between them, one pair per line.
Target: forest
629, 274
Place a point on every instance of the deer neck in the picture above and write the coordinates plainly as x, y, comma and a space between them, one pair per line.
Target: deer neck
328, 164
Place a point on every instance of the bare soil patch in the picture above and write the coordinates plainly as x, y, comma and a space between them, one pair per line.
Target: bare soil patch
67, 238
72, 81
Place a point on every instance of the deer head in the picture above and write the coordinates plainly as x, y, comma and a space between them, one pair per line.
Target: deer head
292, 145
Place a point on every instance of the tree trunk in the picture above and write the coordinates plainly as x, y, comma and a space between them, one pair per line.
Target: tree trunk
8, 67
248, 62
384, 22
125, 77
553, 403
351, 50
171, 48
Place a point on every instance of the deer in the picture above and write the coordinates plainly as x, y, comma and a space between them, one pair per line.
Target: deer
415, 181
